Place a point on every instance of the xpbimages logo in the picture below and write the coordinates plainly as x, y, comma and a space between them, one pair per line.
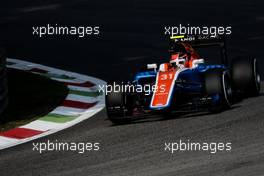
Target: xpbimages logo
80, 147
79, 31
212, 31
147, 89
188, 145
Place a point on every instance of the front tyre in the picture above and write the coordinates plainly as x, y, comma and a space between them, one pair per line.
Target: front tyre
119, 106
218, 88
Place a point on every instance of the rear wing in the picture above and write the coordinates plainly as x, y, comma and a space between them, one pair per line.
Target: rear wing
199, 41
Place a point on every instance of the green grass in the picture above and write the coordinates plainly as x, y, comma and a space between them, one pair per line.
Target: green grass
31, 96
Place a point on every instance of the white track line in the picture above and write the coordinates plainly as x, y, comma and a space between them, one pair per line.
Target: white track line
43, 125
80, 98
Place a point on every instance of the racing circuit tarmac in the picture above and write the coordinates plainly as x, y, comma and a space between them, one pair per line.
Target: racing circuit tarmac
132, 35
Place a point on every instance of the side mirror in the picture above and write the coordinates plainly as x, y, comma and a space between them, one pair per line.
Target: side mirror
152, 66
196, 62
163, 67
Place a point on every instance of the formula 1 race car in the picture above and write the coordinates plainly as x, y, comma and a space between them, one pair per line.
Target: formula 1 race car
185, 84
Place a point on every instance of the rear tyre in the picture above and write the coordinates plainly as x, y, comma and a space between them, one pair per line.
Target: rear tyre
218, 87
245, 76
119, 107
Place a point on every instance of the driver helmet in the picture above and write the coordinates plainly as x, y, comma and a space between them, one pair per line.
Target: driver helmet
179, 56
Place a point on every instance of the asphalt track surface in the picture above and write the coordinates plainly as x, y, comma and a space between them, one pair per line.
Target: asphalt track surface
132, 34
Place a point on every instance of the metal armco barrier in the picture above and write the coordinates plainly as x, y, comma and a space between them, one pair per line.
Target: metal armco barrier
3, 82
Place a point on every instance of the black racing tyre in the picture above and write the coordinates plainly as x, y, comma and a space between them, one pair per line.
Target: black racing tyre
218, 84
119, 107
245, 76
